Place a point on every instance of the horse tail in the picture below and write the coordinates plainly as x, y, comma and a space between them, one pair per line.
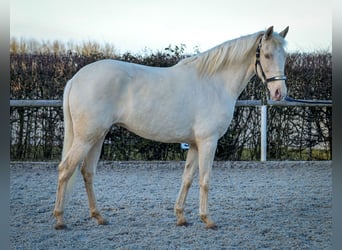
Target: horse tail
68, 131
68, 126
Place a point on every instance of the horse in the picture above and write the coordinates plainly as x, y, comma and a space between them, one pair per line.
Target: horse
191, 102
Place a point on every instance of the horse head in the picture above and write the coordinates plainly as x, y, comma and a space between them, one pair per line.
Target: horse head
270, 62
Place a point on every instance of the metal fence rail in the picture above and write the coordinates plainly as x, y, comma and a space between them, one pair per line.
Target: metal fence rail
239, 103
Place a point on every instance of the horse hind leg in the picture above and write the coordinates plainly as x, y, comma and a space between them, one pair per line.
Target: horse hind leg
66, 169
88, 170
188, 176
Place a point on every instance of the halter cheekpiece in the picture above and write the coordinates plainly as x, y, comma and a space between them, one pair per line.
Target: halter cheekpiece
264, 79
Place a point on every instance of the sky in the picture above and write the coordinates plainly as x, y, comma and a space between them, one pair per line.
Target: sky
136, 25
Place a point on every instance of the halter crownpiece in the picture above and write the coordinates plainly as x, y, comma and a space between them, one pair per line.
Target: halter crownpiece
264, 79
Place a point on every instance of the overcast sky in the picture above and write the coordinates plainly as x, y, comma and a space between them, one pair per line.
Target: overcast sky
132, 25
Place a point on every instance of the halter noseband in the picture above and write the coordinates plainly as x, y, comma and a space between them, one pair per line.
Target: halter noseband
264, 79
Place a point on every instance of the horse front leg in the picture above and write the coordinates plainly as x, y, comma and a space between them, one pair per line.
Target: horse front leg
206, 158
188, 176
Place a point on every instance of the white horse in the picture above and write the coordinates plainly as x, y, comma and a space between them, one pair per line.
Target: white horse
192, 101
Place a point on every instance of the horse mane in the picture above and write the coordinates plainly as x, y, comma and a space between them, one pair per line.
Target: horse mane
230, 52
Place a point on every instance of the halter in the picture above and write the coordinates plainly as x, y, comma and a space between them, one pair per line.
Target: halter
264, 79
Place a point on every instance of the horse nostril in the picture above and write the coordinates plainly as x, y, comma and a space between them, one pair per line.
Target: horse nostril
277, 94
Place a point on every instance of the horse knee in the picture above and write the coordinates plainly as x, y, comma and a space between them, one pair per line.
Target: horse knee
87, 175
204, 186
187, 182
204, 182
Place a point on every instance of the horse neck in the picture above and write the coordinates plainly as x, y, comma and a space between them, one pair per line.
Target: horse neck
237, 76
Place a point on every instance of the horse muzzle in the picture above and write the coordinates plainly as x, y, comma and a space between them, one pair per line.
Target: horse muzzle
277, 89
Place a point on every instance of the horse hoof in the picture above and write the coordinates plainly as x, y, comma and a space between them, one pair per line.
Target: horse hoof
182, 223
102, 222
60, 226
212, 226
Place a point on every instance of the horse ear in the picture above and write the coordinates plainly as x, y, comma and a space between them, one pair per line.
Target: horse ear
268, 33
284, 32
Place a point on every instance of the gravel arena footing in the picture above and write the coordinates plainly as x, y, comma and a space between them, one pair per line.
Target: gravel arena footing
256, 205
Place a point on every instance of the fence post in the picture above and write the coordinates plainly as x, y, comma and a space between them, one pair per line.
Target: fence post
263, 132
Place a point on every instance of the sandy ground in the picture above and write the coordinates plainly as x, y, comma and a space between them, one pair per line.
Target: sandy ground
273, 205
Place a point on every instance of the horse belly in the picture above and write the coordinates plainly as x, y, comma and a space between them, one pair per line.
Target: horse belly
160, 124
